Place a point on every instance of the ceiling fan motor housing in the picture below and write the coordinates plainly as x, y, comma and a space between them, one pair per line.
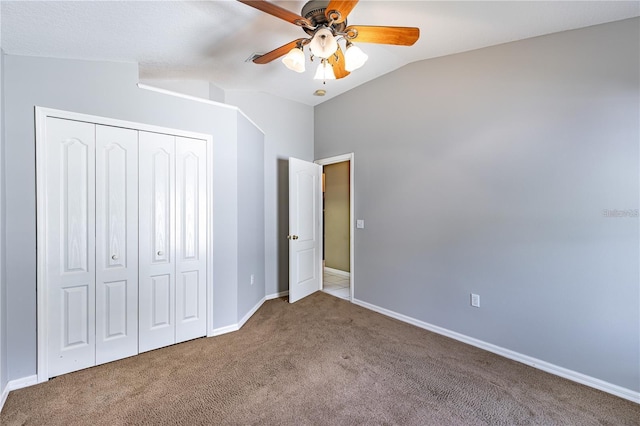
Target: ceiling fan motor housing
314, 12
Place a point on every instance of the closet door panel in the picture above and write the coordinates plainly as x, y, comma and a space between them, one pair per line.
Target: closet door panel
156, 240
191, 236
116, 243
70, 245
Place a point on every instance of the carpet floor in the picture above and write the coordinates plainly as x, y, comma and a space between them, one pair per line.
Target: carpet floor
320, 361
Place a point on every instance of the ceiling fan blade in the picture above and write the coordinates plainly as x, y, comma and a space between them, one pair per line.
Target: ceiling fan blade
401, 36
338, 64
276, 53
277, 11
339, 9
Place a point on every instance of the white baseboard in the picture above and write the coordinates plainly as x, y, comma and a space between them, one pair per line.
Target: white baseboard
277, 295
337, 272
507, 353
235, 327
22, 383
3, 397
224, 330
15, 385
250, 313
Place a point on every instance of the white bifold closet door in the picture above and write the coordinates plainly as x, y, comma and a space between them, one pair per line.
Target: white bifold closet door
157, 235
126, 242
92, 248
70, 245
116, 243
172, 252
191, 241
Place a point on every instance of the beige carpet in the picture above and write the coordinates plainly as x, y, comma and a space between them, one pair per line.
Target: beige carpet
321, 361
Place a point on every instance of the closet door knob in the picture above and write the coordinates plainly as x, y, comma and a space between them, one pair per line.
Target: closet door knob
160, 252
114, 257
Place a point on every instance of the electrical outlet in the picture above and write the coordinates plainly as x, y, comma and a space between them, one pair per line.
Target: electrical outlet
253, 279
475, 300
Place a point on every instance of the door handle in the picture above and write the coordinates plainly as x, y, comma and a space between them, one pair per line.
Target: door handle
160, 253
114, 257
292, 237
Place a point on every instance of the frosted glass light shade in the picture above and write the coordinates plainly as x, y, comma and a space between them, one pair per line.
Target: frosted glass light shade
323, 44
294, 60
324, 72
354, 58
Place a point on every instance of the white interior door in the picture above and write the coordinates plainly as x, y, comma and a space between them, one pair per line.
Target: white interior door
70, 245
156, 240
116, 243
305, 204
191, 238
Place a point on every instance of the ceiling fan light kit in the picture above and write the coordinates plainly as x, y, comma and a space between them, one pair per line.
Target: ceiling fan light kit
326, 23
354, 57
294, 60
323, 44
324, 71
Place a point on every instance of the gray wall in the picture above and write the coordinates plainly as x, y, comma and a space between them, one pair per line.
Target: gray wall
288, 128
3, 278
250, 216
109, 90
216, 93
488, 172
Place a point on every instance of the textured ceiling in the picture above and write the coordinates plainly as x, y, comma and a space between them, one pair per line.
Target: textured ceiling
211, 40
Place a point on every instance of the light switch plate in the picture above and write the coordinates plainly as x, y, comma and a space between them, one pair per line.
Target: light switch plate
475, 300
360, 224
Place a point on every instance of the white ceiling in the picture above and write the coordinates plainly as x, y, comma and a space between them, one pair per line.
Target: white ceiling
210, 40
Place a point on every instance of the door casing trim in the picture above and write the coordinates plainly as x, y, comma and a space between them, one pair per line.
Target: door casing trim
340, 159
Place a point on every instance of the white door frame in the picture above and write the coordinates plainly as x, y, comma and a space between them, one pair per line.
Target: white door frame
339, 159
41, 115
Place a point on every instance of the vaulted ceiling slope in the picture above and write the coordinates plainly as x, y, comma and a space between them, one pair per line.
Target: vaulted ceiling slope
211, 40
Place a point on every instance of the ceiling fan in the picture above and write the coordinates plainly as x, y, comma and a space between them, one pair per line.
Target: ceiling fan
325, 22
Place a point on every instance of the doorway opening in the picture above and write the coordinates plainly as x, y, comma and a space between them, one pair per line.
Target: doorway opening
337, 226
